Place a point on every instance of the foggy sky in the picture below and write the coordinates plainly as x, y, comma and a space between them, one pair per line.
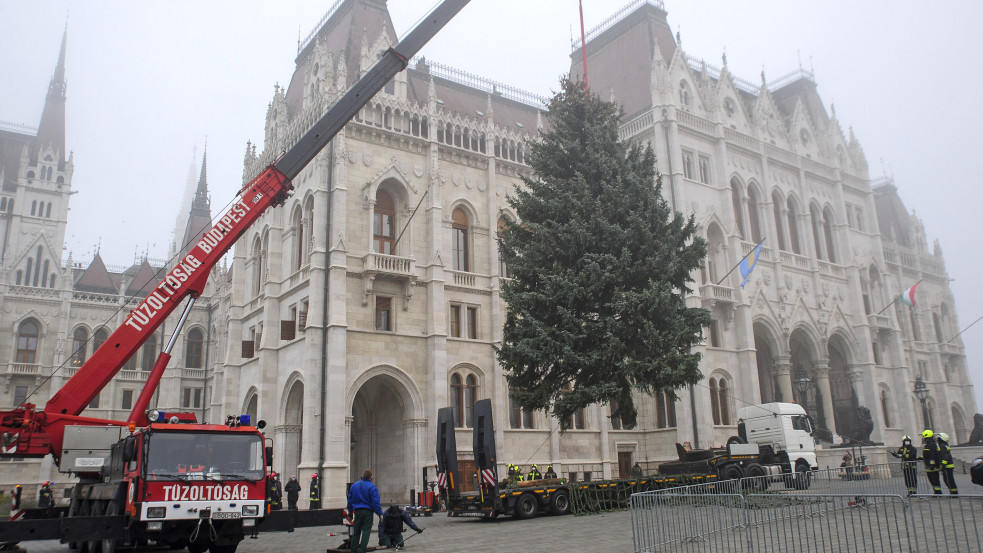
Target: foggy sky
149, 82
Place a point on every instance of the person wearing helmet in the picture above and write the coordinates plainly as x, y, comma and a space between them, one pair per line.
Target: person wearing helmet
550, 473
534, 473
930, 454
46, 498
908, 454
274, 492
946, 463
315, 492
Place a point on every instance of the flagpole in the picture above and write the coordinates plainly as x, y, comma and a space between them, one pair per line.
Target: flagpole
965, 329
740, 261
898, 296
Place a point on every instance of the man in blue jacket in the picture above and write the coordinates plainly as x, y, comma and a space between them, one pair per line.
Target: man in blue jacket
363, 500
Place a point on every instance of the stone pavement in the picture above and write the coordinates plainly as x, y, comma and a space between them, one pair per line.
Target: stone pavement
607, 532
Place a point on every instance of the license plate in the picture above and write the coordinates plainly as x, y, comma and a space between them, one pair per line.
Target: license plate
227, 514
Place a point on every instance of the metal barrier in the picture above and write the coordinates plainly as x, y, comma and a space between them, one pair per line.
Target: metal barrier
689, 519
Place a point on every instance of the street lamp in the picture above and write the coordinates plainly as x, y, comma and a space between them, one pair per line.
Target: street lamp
801, 382
921, 392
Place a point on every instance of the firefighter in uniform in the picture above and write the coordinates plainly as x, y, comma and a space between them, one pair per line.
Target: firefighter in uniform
946, 463
274, 492
550, 473
534, 473
908, 454
46, 499
315, 492
930, 454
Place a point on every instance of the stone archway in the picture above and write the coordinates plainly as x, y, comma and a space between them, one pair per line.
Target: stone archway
289, 433
771, 368
386, 433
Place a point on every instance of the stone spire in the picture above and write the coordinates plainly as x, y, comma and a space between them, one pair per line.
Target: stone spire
51, 130
199, 220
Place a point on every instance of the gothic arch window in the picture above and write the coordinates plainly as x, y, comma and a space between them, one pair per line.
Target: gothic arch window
257, 266
19, 277
424, 127
464, 392
194, 349
98, 338
37, 268
776, 206
34, 206
817, 230
148, 353
736, 198
28, 334
665, 411
384, 223
80, 341
793, 225
828, 234
886, 411
308, 224
3, 204
460, 231
47, 211
519, 417
503, 268
753, 208
937, 324
685, 96
297, 223
720, 387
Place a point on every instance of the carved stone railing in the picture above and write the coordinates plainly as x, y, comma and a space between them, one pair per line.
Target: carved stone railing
31, 369
391, 265
714, 292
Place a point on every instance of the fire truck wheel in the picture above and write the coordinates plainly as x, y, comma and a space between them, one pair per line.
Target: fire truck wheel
525, 506
199, 546
109, 544
560, 503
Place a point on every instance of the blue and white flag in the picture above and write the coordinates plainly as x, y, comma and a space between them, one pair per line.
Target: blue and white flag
750, 260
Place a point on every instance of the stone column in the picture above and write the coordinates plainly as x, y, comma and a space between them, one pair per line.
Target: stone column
783, 370
822, 381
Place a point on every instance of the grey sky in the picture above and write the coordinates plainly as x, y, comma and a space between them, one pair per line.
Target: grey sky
147, 82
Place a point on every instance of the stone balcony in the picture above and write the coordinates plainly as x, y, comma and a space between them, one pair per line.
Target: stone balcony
714, 293
879, 321
392, 266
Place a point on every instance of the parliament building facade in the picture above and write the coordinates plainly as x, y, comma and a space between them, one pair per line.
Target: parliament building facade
371, 299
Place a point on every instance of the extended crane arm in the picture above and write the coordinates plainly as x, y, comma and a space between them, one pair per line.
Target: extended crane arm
26, 432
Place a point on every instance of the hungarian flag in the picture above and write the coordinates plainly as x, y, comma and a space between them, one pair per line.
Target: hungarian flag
908, 296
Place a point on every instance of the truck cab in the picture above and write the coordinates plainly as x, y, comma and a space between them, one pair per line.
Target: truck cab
784, 427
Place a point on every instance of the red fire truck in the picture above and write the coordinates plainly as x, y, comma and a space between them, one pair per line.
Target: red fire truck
195, 485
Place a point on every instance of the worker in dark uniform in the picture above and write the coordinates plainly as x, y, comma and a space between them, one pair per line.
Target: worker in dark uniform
391, 527
636, 471
946, 463
315, 492
908, 454
274, 492
293, 493
534, 473
46, 498
930, 454
15, 497
550, 473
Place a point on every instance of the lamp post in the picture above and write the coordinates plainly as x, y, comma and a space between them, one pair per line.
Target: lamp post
921, 392
802, 384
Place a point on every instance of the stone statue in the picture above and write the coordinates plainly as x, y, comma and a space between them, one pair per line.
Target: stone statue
862, 427
976, 437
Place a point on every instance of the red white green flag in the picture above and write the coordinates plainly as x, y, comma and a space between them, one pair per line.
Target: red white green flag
908, 296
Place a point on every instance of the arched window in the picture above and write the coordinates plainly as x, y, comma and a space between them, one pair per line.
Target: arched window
916, 331
578, 420
684, 95
80, 341
737, 204
793, 226
776, 206
937, 323
27, 342
665, 411
47, 211
460, 238
503, 269
193, 349
384, 223
470, 396
298, 246
459, 400
98, 339
34, 206
719, 404
753, 207
886, 407
615, 419
149, 353
817, 230
257, 266
308, 223
828, 234
519, 417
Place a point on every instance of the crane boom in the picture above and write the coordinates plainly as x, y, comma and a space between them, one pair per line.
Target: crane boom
26, 432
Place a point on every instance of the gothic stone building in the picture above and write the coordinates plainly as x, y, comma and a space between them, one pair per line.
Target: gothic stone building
54, 314
372, 297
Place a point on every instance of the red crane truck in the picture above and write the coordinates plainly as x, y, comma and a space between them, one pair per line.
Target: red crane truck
195, 485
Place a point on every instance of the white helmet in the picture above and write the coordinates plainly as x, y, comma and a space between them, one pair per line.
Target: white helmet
943, 436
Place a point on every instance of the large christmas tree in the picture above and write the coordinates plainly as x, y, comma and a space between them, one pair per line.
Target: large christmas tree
599, 268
